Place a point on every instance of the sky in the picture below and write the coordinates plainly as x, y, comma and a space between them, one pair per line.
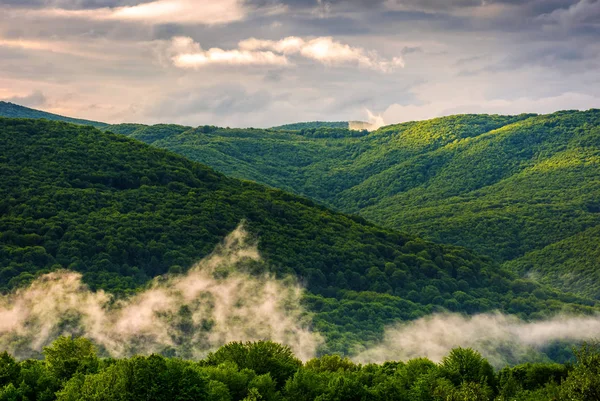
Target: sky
261, 63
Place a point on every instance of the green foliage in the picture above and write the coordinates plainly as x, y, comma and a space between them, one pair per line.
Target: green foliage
9, 369
520, 189
262, 357
121, 212
139, 378
583, 383
12, 110
466, 364
458, 378
69, 356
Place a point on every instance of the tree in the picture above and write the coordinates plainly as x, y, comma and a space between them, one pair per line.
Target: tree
67, 356
467, 365
583, 383
262, 357
9, 369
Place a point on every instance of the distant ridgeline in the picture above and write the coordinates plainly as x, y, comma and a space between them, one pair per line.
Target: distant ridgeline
312, 125
520, 189
122, 212
8, 109
353, 125
523, 190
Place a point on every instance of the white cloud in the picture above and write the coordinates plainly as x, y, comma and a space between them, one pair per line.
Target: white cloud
189, 54
160, 11
329, 52
228, 57
374, 122
289, 45
495, 335
326, 51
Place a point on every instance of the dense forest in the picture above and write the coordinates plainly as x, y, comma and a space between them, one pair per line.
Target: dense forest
121, 212
522, 189
73, 371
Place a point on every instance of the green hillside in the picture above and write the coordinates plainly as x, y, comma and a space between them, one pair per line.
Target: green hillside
12, 110
122, 212
313, 125
511, 187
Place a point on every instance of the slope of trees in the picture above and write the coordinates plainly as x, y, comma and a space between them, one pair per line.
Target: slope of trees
268, 371
517, 189
122, 212
8, 109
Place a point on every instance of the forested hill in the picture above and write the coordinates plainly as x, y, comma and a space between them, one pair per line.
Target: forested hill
121, 212
313, 125
12, 110
522, 189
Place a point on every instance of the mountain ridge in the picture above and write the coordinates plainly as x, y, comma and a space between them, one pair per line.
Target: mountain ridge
509, 187
459, 179
122, 212
13, 110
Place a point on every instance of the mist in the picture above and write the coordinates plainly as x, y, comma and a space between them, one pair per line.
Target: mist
373, 123
187, 315
218, 301
498, 337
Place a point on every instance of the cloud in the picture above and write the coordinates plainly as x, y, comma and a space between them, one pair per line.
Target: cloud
373, 123
508, 57
254, 51
500, 338
34, 99
86, 50
215, 303
190, 55
325, 50
584, 12
155, 12
72, 4
397, 113
200, 103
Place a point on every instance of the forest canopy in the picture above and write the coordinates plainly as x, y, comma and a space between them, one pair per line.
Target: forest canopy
121, 212
73, 371
522, 190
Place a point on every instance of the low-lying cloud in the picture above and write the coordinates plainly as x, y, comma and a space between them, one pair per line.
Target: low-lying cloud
192, 314
325, 50
218, 301
500, 338
373, 123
